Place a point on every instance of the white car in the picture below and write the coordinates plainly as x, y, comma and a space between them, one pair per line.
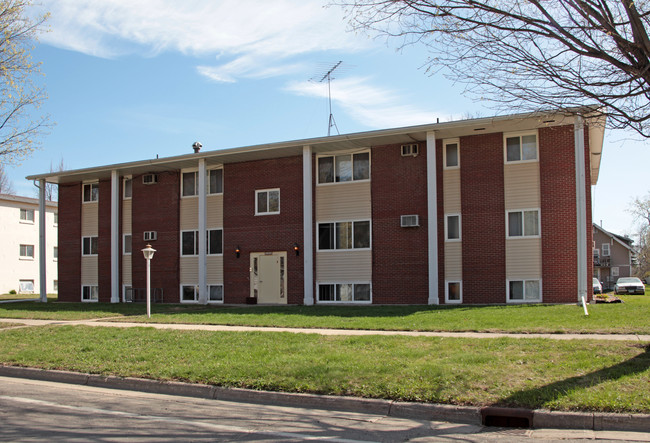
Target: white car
629, 285
598, 288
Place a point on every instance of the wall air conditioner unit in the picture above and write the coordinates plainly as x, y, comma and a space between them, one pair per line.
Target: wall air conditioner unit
410, 150
150, 235
150, 179
409, 221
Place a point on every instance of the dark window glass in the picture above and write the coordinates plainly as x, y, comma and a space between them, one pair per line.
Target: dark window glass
362, 166
326, 170
326, 236
362, 234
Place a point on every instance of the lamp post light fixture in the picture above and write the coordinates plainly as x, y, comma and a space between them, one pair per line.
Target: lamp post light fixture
148, 255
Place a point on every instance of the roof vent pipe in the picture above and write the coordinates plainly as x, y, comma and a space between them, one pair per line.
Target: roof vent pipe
197, 147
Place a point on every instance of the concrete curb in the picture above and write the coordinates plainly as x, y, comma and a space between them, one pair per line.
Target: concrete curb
539, 419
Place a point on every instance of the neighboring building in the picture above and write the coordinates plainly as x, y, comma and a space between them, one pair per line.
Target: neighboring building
613, 256
490, 210
19, 255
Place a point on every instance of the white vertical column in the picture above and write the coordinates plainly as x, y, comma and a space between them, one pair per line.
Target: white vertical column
308, 226
581, 205
115, 237
42, 245
203, 286
432, 215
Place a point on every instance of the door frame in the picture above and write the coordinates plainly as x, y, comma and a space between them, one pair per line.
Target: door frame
254, 275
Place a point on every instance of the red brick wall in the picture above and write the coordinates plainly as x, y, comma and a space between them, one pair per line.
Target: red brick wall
156, 208
558, 214
266, 233
104, 241
483, 219
69, 238
399, 255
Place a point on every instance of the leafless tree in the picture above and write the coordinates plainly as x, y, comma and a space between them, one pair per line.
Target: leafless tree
640, 209
19, 93
52, 189
6, 186
529, 55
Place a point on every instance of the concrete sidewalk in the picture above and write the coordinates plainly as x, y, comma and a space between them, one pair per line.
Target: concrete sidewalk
323, 331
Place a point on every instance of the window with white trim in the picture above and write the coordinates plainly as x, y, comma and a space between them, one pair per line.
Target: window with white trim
267, 201
56, 218
26, 215
344, 168
215, 181
215, 293
89, 245
454, 292
55, 285
524, 290
190, 242
344, 292
127, 244
189, 293
452, 227
90, 192
128, 188
520, 147
606, 250
89, 293
55, 253
451, 154
344, 235
27, 252
524, 223
189, 184
215, 242
26, 286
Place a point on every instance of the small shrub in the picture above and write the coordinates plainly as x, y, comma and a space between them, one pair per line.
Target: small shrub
12, 292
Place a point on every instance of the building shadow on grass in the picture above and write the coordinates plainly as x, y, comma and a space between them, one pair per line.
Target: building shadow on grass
539, 397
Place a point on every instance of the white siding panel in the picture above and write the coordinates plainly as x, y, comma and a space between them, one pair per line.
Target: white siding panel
346, 201
524, 258
89, 272
344, 265
189, 208
127, 270
454, 261
189, 269
521, 186
214, 211
89, 219
451, 190
127, 212
215, 269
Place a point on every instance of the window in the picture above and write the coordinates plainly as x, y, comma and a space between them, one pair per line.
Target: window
452, 227
344, 235
215, 241
454, 292
344, 168
215, 293
91, 192
189, 293
128, 188
451, 154
521, 148
190, 184
55, 285
27, 215
267, 202
27, 252
56, 218
89, 246
524, 290
615, 271
89, 293
344, 292
55, 253
190, 242
26, 286
215, 181
523, 223
127, 244
606, 250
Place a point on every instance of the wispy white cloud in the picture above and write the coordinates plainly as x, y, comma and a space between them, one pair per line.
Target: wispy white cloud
373, 106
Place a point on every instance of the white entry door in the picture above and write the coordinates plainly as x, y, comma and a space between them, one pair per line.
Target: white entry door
268, 281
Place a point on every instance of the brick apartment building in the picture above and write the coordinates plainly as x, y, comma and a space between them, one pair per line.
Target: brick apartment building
490, 210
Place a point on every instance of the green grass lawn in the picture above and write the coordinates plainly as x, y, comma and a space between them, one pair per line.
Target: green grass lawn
533, 373
630, 317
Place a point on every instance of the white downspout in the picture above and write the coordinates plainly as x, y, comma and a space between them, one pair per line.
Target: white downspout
432, 215
203, 286
42, 246
581, 206
115, 237
308, 226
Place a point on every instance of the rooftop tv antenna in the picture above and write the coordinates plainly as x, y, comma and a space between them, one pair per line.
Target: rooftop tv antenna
328, 76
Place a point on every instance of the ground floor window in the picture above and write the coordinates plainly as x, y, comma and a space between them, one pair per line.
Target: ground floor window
56, 286
26, 286
215, 293
189, 293
524, 290
344, 292
453, 292
89, 293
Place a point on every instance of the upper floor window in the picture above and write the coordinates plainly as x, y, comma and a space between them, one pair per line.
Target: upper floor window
523, 223
344, 235
56, 218
267, 202
55, 253
27, 215
215, 181
190, 184
606, 251
89, 245
521, 148
27, 251
344, 168
451, 154
127, 244
91, 192
452, 227
190, 242
128, 188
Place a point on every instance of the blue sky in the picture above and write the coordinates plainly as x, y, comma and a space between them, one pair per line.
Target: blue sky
131, 80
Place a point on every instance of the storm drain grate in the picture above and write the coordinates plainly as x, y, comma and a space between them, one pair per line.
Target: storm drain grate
507, 417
